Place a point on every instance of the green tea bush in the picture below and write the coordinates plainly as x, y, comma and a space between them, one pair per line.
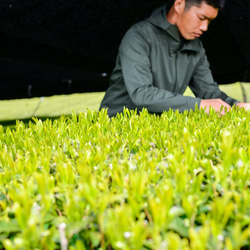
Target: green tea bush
136, 181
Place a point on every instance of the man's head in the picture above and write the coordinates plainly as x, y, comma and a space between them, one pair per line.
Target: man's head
192, 17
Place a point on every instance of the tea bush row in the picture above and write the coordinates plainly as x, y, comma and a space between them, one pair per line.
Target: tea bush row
136, 181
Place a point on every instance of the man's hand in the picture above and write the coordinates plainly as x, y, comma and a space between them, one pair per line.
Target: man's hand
216, 104
244, 105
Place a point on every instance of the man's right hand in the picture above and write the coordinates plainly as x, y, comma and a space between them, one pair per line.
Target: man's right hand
216, 104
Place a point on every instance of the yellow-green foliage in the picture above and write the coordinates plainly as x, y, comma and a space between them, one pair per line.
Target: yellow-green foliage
175, 181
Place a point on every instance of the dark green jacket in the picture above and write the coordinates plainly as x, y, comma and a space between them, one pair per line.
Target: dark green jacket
154, 67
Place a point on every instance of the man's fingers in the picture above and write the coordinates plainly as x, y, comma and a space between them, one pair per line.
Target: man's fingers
220, 106
246, 106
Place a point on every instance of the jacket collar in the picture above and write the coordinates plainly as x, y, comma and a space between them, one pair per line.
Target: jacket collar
158, 18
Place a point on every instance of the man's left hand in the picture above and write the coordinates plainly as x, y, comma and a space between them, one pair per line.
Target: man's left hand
244, 105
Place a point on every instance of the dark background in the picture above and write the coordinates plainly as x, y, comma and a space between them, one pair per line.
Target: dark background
52, 47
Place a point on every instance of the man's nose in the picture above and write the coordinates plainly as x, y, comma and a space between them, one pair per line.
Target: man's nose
204, 25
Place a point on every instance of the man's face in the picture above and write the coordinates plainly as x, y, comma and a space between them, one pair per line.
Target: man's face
194, 21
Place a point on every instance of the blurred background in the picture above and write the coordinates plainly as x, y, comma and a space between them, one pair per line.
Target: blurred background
70, 46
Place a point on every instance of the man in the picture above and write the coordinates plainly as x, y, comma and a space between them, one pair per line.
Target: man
162, 55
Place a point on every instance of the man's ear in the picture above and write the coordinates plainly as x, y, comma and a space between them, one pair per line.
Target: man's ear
179, 6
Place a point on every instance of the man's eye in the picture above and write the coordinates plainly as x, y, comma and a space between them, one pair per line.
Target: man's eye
201, 18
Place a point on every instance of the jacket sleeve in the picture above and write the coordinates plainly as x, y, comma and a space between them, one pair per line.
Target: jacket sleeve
203, 84
136, 67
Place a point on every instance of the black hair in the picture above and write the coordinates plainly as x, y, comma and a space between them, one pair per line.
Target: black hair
217, 4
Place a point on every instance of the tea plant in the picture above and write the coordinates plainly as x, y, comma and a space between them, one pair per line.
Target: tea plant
136, 181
